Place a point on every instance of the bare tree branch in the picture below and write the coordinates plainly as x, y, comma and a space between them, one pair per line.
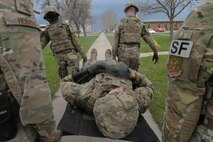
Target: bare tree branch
181, 9
109, 19
172, 8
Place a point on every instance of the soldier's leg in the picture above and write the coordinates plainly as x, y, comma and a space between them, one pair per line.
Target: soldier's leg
72, 63
8, 125
182, 112
124, 60
62, 70
47, 132
134, 63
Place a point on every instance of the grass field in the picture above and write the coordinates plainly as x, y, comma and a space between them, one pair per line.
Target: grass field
161, 38
51, 65
157, 74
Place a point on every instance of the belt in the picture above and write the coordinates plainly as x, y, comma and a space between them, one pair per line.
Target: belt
64, 51
130, 45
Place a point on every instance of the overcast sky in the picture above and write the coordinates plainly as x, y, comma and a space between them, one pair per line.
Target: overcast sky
99, 6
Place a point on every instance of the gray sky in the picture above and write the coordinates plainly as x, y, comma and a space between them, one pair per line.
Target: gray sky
99, 6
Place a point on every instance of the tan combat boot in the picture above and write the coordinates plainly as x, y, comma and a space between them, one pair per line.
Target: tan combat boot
93, 55
108, 54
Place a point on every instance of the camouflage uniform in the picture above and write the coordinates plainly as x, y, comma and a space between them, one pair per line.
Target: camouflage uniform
22, 67
64, 44
127, 40
84, 96
189, 112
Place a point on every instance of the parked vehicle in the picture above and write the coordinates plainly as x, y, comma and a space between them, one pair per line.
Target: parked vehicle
159, 29
151, 31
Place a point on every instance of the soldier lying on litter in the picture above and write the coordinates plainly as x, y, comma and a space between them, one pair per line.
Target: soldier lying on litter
114, 93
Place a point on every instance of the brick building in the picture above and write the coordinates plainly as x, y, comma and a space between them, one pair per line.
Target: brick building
154, 24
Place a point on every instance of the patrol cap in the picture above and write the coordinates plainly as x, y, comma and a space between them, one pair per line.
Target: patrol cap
116, 115
52, 9
131, 4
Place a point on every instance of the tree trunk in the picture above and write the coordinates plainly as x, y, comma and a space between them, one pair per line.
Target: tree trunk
84, 29
77, 29
171, 28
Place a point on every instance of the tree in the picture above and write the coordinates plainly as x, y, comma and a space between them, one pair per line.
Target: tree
172, 8
43, 3
85, 17
109, 19
78, 13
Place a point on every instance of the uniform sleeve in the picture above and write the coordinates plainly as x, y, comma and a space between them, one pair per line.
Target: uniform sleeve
44, 38
70, 90
76, 42
147, 37
143, 91
116, 41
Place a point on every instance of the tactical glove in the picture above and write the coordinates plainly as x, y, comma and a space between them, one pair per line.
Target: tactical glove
91, 71
155, 57
119, 70
98, 67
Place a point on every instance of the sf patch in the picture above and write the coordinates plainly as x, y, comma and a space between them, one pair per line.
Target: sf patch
174, 66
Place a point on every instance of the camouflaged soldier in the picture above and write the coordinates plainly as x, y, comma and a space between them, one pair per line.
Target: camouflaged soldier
64, 42
189, 112
100, 79
127, 38
25, 99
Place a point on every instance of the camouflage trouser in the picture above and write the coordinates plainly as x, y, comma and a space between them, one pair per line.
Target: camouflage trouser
129, 55
201, 134
182, 112
25, 134
67, 63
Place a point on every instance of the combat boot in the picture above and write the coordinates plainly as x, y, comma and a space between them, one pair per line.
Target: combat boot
93, 55
108, 54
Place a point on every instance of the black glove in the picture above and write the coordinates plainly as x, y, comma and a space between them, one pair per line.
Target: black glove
155, 57
119, 70
91, 71
98, 67
84, 59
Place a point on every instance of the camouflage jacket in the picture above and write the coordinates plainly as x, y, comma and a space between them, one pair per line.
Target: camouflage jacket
63, 37
102, 84
129, 33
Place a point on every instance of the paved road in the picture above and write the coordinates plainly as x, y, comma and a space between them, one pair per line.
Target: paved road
101, 44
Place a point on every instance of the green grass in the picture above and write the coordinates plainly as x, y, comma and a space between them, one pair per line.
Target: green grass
86, 42
51, 70
157, 74
161, 38
51, 65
